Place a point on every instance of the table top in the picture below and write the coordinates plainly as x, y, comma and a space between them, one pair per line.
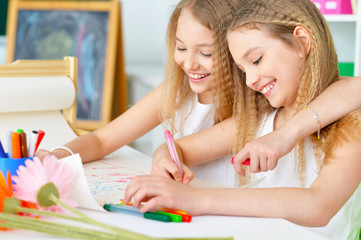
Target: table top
200, 226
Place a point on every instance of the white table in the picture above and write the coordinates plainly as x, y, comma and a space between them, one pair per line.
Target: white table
201, 226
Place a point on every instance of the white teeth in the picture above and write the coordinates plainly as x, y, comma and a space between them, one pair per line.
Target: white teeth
269, 87
197, 76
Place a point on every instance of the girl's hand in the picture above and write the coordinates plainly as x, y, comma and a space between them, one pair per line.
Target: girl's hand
264, 152
163, 165
41, 153
58, 153
167, 168
160, 192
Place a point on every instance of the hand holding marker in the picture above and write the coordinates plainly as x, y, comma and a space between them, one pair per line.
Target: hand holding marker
246, 162
172, 150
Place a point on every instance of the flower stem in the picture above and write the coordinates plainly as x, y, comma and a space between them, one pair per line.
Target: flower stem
14, 221
86, 219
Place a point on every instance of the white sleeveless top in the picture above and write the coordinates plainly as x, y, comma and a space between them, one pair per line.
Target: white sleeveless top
192, 118
346, 223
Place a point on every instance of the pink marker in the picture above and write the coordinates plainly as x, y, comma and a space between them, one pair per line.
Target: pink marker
172, 150
246, 162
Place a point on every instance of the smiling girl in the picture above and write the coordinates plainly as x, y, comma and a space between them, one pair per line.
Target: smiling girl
286, 51
198, 93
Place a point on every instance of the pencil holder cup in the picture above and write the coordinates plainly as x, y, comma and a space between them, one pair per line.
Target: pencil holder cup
11, 164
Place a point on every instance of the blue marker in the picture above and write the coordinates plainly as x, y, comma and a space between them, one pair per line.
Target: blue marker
135, 211
2, 152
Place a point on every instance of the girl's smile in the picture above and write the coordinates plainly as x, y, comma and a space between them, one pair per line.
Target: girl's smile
196, 78
267, 89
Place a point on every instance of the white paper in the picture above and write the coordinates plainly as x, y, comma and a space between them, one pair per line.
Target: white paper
104, 181
21, 94
34, 103
79, 190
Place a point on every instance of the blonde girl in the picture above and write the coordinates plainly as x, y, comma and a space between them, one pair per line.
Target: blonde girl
198, 92
286, 51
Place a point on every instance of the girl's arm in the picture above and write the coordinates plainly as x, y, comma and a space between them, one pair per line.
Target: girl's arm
132, 124
336, 101
314, 206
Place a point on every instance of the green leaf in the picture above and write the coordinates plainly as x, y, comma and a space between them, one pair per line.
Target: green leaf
44, 194
11, 205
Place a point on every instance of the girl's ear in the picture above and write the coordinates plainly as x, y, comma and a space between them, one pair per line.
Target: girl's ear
303, 35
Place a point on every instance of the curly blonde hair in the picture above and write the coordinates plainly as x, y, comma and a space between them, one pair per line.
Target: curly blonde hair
279, 18
215, 15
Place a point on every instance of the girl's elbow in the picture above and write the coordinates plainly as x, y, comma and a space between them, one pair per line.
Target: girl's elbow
320, 216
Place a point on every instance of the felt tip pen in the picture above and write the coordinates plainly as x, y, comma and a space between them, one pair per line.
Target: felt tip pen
2, 152
136, 211
41, 134
15, 143
32, 143
185, 217
23, 145
173, 217
172, 150
246, 162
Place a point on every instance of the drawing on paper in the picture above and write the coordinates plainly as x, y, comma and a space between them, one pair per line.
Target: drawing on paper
107, 182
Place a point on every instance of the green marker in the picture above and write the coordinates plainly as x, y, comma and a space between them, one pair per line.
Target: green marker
19, 130
173, 217
136, 211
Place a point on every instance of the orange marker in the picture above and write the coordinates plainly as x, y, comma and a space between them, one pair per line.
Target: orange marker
15, 142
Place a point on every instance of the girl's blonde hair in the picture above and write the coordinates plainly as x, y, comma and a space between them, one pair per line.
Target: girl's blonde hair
215, 15
279, 18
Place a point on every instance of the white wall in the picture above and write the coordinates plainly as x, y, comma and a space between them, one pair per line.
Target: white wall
144, 26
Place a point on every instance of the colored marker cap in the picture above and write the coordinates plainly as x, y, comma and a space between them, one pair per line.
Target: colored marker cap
157, 216
246, 162
173, 217
185, 217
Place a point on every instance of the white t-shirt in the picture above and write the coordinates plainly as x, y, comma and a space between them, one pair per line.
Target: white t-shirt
192, 118
346, 223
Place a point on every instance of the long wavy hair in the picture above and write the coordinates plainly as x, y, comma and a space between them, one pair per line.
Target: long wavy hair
216, 15
279, 18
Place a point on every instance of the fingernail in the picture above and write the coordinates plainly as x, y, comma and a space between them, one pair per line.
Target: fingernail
232, 160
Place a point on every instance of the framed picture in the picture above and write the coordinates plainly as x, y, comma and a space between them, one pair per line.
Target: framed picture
87, 30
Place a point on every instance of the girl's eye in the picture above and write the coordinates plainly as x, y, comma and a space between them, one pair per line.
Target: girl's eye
181, 49
257, 61
207, 55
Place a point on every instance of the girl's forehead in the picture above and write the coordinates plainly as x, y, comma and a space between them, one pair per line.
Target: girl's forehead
190, 29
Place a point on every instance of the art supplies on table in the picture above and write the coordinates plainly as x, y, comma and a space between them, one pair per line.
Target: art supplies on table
18, 151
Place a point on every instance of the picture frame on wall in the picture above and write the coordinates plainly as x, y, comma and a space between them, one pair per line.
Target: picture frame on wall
87, 30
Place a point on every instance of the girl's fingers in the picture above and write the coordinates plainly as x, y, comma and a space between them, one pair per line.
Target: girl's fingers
255, 164
152, 204
167, 168
187, 174
263, 163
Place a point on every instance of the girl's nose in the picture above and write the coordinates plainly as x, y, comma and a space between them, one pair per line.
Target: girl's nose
191, 62
251, 79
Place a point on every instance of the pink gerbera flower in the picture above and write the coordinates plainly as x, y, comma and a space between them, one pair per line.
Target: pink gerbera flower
36, 174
